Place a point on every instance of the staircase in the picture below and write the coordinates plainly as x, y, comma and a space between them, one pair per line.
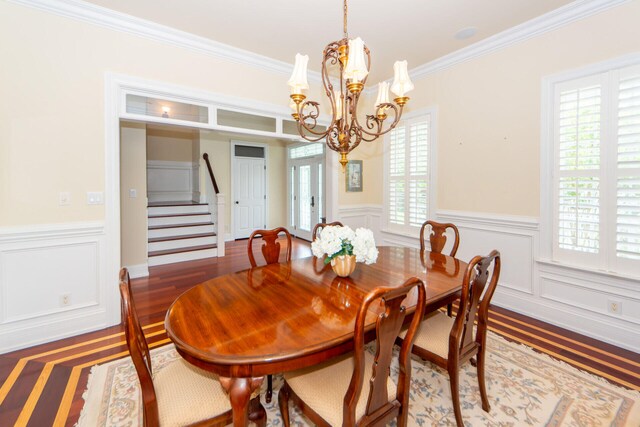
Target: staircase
180, 231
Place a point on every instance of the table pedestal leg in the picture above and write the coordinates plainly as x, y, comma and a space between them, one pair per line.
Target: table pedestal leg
239, 390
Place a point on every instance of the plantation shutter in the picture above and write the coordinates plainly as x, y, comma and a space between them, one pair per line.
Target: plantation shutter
408, 174
597, 172
397, 157
628, 167
578, 135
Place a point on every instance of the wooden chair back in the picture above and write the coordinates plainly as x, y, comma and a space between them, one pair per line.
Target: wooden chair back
438, 236
270, 248
139, 350
319, 226
388, 325
480, 281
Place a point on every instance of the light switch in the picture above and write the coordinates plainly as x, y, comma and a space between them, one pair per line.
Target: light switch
133, 193
95, 198
65, 198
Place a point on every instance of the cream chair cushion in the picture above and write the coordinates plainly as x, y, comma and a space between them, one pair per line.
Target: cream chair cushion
433, 334
322, 387
187, 394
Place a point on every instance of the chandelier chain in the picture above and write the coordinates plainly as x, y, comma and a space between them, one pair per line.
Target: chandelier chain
346, 35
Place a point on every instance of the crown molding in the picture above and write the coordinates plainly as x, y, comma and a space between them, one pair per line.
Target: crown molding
107, 18
555, 19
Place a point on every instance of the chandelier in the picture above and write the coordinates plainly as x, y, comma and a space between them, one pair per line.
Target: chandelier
352, 59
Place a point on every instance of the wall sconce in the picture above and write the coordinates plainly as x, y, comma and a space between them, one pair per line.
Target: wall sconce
165, 112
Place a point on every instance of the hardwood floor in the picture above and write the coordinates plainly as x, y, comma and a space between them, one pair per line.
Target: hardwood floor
43, 385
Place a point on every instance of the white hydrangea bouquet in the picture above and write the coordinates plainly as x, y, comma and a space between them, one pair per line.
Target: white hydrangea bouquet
335, 241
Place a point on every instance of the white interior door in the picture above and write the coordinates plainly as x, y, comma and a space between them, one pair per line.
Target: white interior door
249, 205
307, 189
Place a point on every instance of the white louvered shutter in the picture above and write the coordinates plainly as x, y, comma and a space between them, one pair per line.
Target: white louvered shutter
408, 175
627, 217
397, 189
578, 135
597, 172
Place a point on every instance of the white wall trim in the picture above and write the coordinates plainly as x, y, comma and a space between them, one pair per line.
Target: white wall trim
138, 270
107, 18
43, 231
572, 12
72, 253
118, 21
490, 219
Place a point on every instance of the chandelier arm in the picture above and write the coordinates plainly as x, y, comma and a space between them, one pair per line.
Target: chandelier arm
397, 114
312, 116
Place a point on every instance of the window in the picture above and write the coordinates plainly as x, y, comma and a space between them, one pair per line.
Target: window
596, 170
408, 170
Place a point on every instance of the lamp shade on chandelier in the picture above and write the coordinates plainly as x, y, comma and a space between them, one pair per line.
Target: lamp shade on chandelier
352, 59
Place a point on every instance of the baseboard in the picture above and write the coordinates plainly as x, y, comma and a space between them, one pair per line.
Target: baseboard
571, 318
139, 270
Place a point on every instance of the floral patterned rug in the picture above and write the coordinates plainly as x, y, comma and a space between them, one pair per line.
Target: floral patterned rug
525, 388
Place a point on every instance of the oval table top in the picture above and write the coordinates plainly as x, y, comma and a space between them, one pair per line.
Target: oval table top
285, 316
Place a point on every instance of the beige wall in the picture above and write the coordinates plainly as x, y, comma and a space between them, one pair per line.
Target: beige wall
52, 83
219, 150
372, 178
170, 145
488, 110
133, 211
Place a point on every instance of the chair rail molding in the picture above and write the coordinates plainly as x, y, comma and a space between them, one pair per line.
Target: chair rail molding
570, 297
51, 283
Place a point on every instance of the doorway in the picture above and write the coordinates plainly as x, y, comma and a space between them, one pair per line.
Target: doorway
307, 188
249, 191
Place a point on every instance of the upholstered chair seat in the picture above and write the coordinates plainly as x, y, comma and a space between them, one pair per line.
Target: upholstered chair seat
433, 335
187, 394
323, 387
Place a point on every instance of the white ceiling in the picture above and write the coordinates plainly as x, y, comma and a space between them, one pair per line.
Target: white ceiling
416, 30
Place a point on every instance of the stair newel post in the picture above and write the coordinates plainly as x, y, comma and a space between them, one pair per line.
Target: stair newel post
220, 206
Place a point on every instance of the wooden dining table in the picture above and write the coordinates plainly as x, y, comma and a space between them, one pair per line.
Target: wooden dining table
280, 317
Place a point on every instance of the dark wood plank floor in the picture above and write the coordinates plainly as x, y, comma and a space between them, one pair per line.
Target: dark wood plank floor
43, 385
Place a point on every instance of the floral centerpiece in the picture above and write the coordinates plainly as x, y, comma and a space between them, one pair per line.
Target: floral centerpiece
344, 247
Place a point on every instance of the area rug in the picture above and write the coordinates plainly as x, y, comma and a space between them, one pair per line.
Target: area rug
525, 388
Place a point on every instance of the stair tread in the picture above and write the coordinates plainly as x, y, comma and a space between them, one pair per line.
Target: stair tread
180, 250
185, 236
184, 214
176, 203
193, 224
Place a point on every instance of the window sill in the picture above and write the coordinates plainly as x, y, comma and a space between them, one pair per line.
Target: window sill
401, 233
582, 269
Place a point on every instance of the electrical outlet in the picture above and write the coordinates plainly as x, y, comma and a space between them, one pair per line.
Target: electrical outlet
65, 299
614, 307
64, 198
133, 193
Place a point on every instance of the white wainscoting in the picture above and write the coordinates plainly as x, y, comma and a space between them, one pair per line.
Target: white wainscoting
572, 298
172, 181
51, 283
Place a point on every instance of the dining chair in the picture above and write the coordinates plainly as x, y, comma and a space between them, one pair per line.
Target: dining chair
319, 226
271, 253
180, 393
356, 388
449, 342
438, 239
270, 247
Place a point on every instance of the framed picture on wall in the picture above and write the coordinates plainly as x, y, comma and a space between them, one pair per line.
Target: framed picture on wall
354, 175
